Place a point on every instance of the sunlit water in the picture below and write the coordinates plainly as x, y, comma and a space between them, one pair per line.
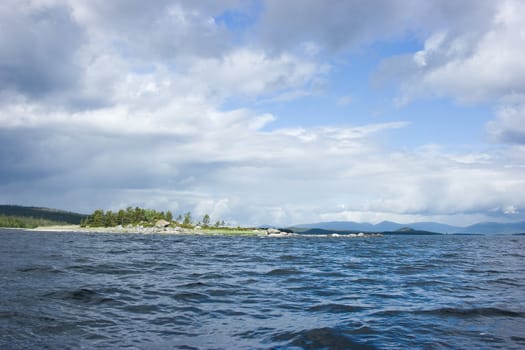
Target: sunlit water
78, 290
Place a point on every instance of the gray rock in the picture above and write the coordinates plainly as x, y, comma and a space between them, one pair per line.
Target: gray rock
162, 223
273, 231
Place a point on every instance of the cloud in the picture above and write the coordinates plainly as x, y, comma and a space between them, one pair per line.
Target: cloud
110, 104
253, 73
159, 31
38, 49
509, 126
337, 25
468, 64
230, 167
488, 69
75, 53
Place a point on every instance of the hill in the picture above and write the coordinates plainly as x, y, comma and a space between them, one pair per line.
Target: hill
384, 226
388, 226
52, 216
401, 231
494, 227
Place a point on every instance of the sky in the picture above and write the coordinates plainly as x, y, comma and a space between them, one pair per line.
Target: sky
266, 112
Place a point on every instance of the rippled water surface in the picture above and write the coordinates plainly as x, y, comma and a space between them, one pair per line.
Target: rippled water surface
74, 290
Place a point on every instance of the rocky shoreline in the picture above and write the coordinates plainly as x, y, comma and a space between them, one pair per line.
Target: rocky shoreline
137, 229
270, 232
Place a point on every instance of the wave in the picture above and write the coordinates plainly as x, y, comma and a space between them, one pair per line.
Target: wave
454, 312
194, 285
81, 295
283, 272
143, 309
506, 281
473, 312
105, 269
191, 297
332, 294
40, 269
335, 308
288, 257
321, 338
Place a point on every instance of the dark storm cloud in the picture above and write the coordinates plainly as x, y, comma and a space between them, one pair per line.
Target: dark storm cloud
69, 156
38, 45
55, 165
17, 163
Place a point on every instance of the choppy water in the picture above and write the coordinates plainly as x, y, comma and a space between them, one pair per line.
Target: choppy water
78, 290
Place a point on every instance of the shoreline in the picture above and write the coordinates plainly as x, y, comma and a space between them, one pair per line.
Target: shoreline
148, 230
199, 231
187, 231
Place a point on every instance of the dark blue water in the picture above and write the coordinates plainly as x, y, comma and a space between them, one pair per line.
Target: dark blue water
78, 290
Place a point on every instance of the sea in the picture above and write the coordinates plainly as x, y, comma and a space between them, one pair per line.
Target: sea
132, 291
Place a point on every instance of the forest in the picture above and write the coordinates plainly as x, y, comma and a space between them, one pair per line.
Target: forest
144, 217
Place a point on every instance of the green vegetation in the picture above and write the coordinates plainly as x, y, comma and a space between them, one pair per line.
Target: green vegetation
32, 217
29, 215
148, 218
206, 220
130, 216
26, 222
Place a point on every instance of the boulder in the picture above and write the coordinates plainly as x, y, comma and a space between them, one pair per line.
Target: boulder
162, 223
273, 231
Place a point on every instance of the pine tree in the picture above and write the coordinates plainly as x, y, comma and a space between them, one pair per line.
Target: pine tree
206, 220
187, 219
98, 218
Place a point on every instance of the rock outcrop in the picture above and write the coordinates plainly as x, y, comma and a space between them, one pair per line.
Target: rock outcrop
162, 223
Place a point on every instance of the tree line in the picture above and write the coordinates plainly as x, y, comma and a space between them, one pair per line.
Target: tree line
26, 222
47, 214
145, 217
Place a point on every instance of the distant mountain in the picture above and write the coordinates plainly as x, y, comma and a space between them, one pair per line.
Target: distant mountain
321, 231
434, 227
353, 226
382, 226
388, 226
495, 228
410, 231
41, 213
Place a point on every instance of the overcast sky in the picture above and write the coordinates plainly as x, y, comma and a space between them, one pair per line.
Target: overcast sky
266, 112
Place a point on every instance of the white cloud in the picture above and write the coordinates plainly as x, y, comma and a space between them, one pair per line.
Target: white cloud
432, 45
162, 30
468, 64
252, 73
509, 126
